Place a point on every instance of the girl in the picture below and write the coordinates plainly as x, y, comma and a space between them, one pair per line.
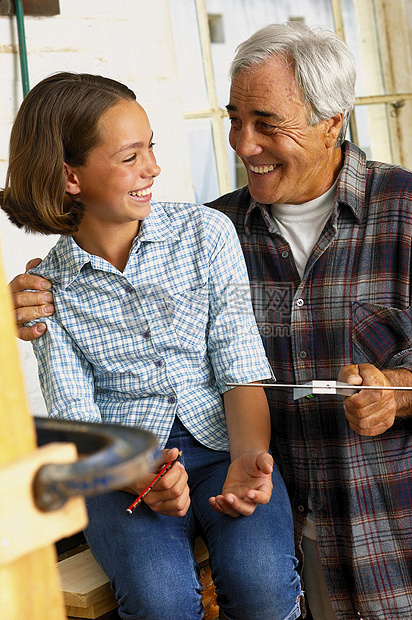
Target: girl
152, 320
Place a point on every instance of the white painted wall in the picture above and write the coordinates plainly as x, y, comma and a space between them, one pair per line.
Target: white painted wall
130, 41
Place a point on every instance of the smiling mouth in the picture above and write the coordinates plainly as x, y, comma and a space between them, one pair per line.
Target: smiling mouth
140, 193
263, 169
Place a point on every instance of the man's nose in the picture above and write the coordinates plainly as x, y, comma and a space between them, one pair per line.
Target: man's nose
246, 143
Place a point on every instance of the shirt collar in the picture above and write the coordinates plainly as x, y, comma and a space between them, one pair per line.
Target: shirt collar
157, 227
351, 184
350, 190
265, 213
71, 259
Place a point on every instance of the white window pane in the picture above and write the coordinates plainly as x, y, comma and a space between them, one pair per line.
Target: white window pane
202, 154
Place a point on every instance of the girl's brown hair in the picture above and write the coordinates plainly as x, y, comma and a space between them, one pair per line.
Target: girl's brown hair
57, 123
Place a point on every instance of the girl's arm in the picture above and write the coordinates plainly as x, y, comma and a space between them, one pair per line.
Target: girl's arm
248, 420
66, 377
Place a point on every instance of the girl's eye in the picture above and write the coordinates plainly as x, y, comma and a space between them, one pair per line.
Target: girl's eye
131, 158
151, 145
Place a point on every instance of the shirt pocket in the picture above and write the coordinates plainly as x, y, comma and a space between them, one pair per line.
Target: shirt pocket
381, 335
189, 314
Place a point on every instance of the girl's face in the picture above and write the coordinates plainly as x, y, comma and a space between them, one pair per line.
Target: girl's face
115, 183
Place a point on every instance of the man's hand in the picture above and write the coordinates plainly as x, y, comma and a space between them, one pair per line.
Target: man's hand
170, 496
31, 305
368, 412
248, 483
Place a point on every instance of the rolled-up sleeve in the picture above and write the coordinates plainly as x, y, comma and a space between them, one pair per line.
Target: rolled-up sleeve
66, 377
234, 344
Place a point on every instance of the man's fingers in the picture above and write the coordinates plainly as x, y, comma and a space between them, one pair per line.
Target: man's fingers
371, 413
33, 263
372, 431
31, 333
32, 299
350, 374
26, 281
30, 306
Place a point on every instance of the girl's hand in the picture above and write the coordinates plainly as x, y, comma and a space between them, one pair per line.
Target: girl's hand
248, 483
170, 496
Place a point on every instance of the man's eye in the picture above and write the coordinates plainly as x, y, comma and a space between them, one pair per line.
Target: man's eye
267, 128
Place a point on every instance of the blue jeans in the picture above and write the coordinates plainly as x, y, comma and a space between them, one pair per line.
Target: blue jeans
149, 557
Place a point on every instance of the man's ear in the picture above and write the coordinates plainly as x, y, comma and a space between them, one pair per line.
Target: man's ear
333, 127
72, 182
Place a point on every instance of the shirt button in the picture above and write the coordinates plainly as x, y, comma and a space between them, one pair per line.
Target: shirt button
146, 335
303, 355
172, 400
300, 303
159, 363
301, 508
285, 254
129, 289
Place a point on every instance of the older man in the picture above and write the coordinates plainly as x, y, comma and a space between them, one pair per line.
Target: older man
327, 239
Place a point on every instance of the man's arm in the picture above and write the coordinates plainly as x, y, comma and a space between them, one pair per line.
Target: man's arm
371, 412
32, 299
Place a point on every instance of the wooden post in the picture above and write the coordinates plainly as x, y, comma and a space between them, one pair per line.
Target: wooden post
29, 586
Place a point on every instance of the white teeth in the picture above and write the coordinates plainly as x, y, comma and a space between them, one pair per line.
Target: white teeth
142, 192
263, 169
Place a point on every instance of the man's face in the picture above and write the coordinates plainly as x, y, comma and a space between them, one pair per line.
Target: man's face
287, 161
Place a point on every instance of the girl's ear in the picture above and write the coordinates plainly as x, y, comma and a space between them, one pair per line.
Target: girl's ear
72, 182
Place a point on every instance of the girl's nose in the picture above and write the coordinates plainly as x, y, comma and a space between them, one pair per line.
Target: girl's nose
152, 170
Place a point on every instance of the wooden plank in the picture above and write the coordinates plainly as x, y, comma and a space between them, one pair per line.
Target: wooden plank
208, 595
201, 551
23, 527
94, 611
83, 581
29, 587
87, 592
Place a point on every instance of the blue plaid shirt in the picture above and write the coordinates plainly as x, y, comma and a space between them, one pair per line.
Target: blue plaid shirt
160, 339
353, 305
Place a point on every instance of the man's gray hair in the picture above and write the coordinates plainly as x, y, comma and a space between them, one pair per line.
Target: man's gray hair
324, 66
